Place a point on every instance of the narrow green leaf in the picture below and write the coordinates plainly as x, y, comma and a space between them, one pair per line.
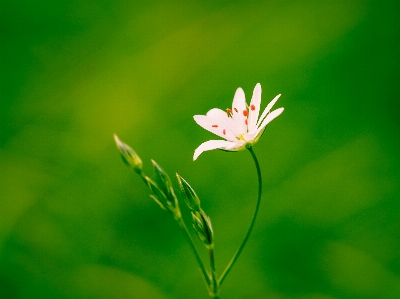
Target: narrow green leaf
158, 202
157, 193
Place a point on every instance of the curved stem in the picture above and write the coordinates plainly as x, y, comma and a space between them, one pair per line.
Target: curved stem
194, 249
236, 255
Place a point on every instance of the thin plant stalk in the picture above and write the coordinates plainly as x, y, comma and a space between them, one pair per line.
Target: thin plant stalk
214, 281
242, 245
196, 253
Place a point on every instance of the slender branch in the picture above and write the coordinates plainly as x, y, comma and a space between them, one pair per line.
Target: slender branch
194, 249
214, 280
212, 259
236, 255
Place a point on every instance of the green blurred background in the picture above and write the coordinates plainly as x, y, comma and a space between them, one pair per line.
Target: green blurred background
76, 223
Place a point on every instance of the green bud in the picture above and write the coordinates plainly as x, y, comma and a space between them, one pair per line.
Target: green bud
129, 156
162, 177
202, 226
164, 182
191, 198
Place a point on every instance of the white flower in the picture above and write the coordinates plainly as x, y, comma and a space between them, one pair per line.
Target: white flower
240, 125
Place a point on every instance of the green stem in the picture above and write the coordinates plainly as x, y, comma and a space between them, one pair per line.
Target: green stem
236, 255
214, 280
194, 249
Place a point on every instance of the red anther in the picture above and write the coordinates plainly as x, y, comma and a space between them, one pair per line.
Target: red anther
245, 112
214, 126
252, 107
224, 132
229, 110
246, 122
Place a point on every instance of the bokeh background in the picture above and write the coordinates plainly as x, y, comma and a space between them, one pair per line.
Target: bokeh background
76, 223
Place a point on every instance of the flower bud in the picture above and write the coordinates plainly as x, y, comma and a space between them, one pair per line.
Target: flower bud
129, 156
191, 198
202, 226
162, 178
165, 184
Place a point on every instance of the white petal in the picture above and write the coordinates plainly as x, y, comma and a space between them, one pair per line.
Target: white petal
214, 144
250, 136
216, 113
269, 118
267, 109
254, 108
238, 108
216, 126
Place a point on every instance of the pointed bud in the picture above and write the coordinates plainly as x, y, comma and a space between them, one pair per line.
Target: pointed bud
165, 184
202, 226
162, 177
191, 198
129, 156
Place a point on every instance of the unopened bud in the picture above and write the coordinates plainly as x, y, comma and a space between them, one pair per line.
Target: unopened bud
202, 226
191, 198
129, 156
165, 184
162, 178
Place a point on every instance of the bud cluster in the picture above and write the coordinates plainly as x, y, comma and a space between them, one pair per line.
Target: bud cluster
161, 189
162, 192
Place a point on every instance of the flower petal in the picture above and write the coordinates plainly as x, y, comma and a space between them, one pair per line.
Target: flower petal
267, 109
217, 113
254, 108
250, 136
214, 144
216, 126
238, 110
221, 115
268, 119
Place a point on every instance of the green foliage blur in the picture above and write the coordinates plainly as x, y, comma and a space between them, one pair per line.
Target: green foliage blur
75, 222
